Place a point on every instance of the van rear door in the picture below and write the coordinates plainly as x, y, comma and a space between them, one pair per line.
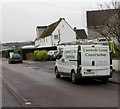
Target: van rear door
103, 61
88, 60
95, 60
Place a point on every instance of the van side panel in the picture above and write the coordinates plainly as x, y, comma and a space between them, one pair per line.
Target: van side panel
70, 56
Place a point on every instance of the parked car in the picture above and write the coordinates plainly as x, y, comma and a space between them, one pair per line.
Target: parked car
15, 58
52, 54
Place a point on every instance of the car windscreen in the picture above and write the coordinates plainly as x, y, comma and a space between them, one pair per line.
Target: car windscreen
16, 56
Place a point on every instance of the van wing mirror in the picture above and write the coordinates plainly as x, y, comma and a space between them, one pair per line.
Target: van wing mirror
58, 56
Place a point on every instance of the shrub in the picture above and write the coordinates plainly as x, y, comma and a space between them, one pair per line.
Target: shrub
40, 55
35, 55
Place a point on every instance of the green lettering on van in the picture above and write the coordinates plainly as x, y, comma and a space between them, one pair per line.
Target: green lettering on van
95, 50
101, 54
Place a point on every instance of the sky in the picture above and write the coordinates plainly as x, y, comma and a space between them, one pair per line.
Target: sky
19, 18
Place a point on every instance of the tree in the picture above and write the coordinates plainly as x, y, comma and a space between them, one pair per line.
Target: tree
110, 29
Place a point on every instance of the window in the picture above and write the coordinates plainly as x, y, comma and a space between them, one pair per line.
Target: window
59, 54
16, 56
56, 37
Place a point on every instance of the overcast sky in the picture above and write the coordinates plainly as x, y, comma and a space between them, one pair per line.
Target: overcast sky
20, 17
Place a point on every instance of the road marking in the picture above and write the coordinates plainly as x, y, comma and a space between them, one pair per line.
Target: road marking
28, 103
19, 98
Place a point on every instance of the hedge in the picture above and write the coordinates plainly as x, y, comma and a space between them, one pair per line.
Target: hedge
40, 55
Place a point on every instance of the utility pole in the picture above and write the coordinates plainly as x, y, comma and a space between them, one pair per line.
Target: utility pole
59, 36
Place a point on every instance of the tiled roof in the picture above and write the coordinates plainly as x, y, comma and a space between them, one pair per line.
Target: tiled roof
41, 27
81, 34
99, 17
50, 28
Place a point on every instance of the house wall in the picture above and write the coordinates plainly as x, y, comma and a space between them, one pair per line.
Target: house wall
115, 64
37, 42
66, 33
45, 42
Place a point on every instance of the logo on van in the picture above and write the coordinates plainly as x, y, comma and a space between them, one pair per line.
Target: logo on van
70, 54
96, 51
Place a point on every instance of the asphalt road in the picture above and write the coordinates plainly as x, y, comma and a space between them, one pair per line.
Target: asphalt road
38, 87
8, 99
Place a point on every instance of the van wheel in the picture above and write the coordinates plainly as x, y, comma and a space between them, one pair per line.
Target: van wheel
74, 80
57, 73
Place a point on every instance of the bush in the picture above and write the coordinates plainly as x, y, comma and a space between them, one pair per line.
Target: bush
40, 55
35, 58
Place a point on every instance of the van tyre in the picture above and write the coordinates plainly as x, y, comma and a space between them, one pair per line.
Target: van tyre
73, 78
57, 73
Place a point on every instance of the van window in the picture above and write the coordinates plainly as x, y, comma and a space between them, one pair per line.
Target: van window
59, 54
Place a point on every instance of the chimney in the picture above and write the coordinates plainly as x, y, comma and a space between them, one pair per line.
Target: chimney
75, 29
62, 18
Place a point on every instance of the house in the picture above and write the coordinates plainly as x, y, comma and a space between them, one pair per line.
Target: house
39, 31
54, 34
97, 19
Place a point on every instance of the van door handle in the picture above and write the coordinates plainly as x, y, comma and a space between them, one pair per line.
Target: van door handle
93, 63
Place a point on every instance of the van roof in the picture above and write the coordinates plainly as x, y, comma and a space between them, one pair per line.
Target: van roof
97, 45
85, 42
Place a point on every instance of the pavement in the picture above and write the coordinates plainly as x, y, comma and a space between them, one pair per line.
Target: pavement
115, 77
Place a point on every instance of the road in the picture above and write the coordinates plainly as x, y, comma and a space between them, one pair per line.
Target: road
8, 99
38, 87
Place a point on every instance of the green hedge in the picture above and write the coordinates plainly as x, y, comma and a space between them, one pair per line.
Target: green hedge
40, 55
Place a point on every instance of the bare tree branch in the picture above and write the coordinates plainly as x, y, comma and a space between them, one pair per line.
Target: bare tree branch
111, 27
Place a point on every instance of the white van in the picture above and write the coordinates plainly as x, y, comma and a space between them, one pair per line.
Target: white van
84, 61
